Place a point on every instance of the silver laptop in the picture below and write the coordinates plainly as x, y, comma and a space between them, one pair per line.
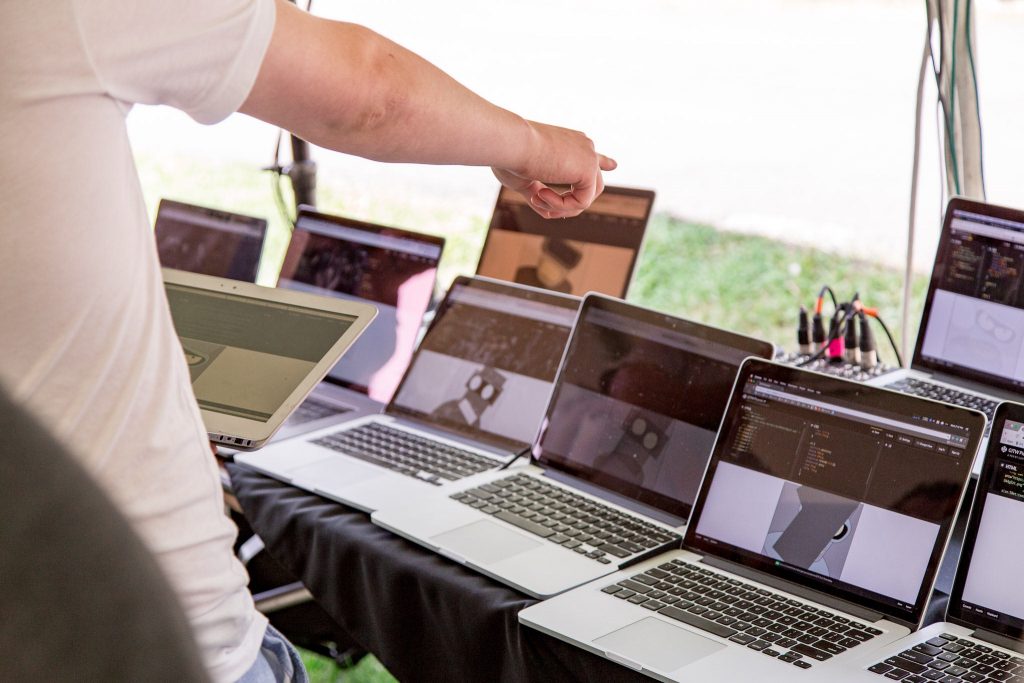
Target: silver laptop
593, 252
393, 269
471, 401
971, 341
253, 352
626, 437
209, 241
817, 534
983, 635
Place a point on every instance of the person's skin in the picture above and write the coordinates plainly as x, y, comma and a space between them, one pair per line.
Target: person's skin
344, 87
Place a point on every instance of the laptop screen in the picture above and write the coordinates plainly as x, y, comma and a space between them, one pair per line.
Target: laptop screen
487, 363
393, 269
847, 489
247, 355
639, 399
986, 593
209, 241
973, 322
593, 252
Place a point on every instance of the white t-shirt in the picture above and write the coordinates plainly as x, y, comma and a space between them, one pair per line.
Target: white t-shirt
86, 339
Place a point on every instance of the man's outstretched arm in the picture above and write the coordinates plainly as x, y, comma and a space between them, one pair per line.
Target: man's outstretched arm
347, 88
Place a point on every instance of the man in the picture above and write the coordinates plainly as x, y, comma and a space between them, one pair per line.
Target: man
86, 340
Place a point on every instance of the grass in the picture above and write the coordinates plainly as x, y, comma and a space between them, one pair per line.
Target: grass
324, 670
744, 283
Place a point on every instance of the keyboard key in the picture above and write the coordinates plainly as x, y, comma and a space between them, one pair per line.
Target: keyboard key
524, 524
811, 652
697, 621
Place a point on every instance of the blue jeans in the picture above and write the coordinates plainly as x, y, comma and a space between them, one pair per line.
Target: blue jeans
277, 662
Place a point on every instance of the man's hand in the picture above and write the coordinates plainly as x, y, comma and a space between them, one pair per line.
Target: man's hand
563, 157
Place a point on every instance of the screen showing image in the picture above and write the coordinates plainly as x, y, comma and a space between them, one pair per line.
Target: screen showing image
209, 241
393, 269
848, 497
247, 356
487, 363
990, 592
639, 402
975, 318
595, 251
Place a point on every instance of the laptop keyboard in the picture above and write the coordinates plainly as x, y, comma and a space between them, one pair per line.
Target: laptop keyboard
580, 524
773, 624
312, 409
400, 451
950, 659
938, 392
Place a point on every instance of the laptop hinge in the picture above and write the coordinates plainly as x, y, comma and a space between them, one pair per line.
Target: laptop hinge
998, 639
794, 588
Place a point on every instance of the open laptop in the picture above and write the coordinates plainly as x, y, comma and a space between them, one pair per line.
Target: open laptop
818, 528
209, 241
393, 269
472, 400
983, 635
970, 346
593, 252
254, 352
625, 440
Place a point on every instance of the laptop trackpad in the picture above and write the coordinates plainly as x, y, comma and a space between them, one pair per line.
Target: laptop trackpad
332, 474
657, 645
485, 542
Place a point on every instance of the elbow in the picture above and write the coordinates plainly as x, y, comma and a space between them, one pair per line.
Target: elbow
377, 97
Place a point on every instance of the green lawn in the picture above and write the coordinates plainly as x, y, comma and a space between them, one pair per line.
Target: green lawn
748, 284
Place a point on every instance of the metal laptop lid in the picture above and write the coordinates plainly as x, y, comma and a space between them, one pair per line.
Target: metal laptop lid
972, 325
595, 251
209, 241
393, 269
254, 352
986, 592
485, 367
638, 401
838, 487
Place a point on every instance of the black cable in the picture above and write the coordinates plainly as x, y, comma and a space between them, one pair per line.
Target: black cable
831, 294
836, 330
518, 455
895, 349
275, 179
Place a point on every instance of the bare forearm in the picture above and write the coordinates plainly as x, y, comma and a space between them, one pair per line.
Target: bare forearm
344, 87
347, 88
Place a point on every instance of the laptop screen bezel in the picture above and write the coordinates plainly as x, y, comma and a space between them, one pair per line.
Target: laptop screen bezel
919, 362
884, 400
955, 612
748, 345
401, 233
649, 195
246, 433
219, 215
567, 301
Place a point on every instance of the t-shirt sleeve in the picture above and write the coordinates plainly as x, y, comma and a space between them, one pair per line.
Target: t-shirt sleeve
200, 56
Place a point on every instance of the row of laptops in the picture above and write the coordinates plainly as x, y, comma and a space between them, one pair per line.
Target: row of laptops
395, 270
967, 352
767, 581
819, 525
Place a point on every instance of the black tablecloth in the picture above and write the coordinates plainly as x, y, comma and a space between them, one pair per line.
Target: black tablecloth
425, 617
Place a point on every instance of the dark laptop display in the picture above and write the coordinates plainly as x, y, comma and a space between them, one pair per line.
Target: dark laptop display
391, 268
486, 365
640, 400
986, 592
595, 251
843, 488
209, 241
973, 321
